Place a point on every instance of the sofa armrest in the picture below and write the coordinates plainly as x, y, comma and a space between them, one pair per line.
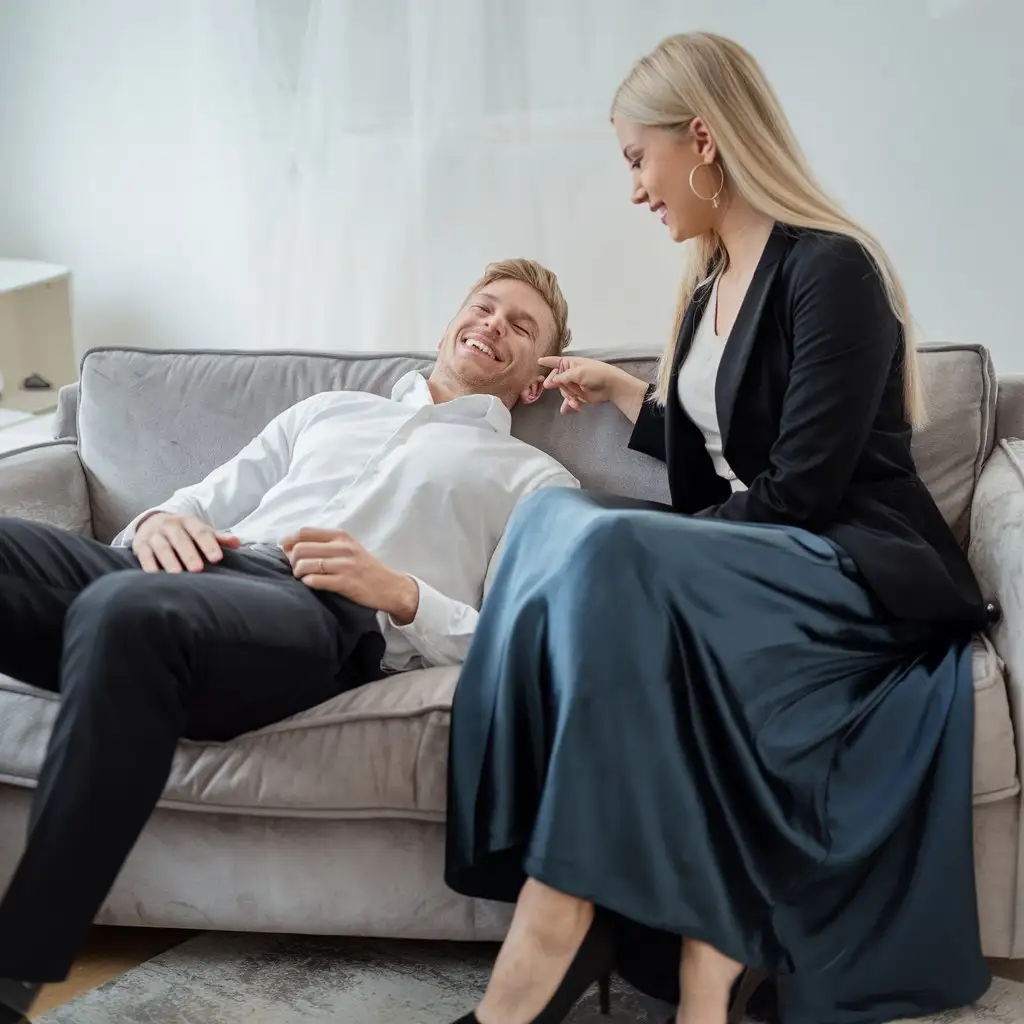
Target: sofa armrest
997, 555
46, 482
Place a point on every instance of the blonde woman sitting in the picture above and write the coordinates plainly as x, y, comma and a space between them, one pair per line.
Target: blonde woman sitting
733, 738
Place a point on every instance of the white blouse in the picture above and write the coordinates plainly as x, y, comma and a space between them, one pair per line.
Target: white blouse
696, 387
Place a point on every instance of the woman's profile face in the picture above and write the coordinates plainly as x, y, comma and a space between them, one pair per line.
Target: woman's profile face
660, 161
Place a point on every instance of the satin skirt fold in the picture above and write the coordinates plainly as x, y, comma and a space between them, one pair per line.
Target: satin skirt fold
715, 731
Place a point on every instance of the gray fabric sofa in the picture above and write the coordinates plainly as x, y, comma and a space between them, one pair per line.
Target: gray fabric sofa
332, 822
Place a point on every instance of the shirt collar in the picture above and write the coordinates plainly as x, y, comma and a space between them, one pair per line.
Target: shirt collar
412, 389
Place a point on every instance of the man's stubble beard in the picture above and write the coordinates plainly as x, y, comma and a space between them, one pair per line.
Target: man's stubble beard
474, 383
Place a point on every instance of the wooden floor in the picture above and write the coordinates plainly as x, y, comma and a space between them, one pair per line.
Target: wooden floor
112, 952
1012, 969
109, 953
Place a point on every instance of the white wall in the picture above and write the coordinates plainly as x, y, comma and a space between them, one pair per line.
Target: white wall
334, 173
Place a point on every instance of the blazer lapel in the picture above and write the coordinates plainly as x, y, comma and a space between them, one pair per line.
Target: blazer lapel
744, 332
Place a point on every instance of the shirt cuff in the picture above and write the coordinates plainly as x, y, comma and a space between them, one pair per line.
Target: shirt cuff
126, 537
442, 628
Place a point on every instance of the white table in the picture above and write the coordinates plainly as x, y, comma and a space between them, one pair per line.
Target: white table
35, 334
33, 430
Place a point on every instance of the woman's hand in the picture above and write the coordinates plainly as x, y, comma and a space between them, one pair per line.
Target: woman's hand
334, 560
584, 381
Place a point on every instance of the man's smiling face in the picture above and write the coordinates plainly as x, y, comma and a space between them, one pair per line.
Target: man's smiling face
493, 344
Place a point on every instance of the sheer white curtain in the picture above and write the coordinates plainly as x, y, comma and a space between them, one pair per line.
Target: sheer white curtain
332, 174
381, 153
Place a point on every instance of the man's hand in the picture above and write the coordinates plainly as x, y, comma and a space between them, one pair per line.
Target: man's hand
333, 560
177, 543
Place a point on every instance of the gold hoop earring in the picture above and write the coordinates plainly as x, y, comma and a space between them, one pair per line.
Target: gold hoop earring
713, 200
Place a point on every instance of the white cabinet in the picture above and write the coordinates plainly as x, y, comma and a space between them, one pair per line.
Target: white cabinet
36, 346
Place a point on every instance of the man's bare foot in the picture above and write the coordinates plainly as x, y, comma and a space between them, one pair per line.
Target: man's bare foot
705, 980
547, 931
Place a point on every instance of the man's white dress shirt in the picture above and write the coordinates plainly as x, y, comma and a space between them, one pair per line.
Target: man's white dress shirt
425, 488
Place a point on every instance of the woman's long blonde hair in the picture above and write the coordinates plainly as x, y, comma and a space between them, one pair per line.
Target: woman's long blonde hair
700, 74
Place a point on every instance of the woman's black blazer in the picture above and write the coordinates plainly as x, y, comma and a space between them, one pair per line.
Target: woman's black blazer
811, 410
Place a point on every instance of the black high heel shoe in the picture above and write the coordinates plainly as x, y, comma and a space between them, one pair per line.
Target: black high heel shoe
743, 989
593, 963
16, 999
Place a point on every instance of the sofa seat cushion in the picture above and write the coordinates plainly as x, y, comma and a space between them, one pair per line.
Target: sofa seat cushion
382, 751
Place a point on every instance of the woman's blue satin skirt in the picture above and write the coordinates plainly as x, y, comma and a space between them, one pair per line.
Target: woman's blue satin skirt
714, 730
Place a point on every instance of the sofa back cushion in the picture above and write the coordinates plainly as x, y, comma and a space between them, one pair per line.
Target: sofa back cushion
960, 389
149, 422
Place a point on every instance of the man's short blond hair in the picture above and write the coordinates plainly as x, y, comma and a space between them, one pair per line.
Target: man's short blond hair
541, 280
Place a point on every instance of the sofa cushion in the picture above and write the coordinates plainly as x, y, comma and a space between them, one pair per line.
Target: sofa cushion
381, 751
960, 391
150, 422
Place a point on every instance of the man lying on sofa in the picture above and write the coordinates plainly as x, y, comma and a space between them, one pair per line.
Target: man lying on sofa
351, 538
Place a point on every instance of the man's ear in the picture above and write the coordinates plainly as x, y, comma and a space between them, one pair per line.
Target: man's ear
532, 391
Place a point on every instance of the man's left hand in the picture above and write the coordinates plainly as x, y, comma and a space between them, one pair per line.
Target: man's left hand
334, 560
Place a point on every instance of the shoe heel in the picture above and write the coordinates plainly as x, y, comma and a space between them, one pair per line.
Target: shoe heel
604, 988
750, 981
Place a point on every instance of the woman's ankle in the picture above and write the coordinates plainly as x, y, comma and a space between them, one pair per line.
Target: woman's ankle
705, 981
703, 1010
547, 930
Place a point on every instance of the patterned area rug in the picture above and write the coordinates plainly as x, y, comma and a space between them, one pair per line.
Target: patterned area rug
266, 979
